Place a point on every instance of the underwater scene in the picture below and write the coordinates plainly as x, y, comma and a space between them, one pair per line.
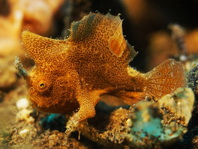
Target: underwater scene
96, 74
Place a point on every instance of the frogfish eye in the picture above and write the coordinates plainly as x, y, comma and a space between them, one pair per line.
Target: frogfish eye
42, 85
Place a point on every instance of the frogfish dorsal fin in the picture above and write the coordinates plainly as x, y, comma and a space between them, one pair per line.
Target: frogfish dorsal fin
101, 31
40, 48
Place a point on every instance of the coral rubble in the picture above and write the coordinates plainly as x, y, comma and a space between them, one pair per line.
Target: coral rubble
148, 123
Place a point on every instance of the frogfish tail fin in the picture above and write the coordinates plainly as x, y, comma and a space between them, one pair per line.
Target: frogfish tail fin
165, 78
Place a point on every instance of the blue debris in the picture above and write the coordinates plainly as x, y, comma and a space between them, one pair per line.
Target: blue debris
53, 122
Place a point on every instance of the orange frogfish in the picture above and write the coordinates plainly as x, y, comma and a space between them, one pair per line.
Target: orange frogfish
72, 74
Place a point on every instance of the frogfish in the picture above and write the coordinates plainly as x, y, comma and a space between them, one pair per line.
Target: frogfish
72, 74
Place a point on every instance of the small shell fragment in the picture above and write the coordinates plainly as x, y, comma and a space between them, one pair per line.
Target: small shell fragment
22, 103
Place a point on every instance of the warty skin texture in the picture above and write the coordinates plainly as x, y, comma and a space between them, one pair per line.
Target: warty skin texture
71, 75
